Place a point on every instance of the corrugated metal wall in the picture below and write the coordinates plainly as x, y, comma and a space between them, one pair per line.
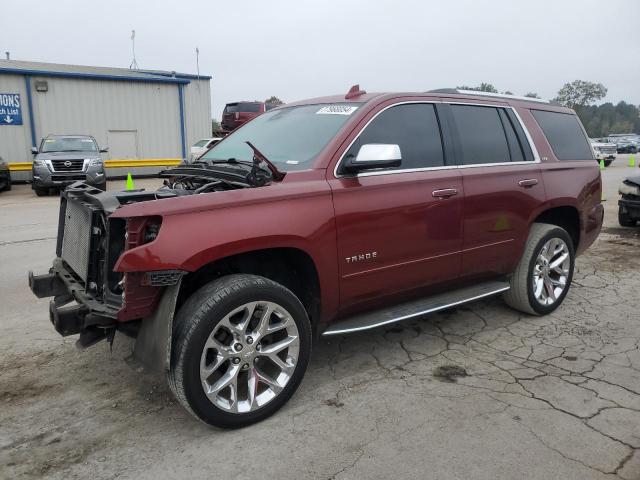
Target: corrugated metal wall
197, 103
96, 107
109, 107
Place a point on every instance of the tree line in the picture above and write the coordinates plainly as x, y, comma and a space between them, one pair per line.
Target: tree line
599, 120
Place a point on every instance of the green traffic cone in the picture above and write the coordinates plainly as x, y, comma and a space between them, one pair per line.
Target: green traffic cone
130, 185
632, 161
602, 167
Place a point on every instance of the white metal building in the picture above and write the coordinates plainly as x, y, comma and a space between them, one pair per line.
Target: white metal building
147, 118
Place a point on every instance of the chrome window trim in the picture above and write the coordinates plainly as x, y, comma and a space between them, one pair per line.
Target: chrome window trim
534, 150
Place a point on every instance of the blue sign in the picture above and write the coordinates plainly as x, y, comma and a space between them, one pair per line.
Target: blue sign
10, 109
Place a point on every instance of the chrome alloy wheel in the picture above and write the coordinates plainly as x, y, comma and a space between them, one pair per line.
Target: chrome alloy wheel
249, 357
551, 271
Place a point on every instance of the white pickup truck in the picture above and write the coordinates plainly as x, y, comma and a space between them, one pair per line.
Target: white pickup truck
604, 151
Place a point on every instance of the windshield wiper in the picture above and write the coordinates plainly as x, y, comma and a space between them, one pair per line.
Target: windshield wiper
258, 157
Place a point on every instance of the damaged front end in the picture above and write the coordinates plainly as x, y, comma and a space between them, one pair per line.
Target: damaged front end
91, 295
629, 203
90, 298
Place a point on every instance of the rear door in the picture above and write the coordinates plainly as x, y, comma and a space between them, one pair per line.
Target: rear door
502, 183
398, 229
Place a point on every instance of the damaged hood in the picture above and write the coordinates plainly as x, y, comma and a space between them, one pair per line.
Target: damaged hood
635, 180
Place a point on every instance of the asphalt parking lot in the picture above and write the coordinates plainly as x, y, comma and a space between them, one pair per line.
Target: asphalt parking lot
534, 397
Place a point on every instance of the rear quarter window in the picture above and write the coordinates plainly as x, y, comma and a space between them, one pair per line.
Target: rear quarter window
565, 135
249, 107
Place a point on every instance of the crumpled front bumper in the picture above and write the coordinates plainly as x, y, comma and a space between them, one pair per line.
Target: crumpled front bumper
631, 206
61, 284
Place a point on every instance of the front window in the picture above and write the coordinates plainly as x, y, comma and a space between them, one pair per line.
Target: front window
290, 137
69, 144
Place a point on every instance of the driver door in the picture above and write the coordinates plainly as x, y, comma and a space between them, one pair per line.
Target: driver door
399, 229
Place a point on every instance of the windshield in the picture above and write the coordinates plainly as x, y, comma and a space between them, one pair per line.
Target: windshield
69, 144
290, 137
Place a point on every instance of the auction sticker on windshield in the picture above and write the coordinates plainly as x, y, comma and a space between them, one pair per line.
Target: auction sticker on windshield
337, 110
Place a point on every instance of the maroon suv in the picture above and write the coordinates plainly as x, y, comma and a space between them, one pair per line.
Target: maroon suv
325, 217
239, 113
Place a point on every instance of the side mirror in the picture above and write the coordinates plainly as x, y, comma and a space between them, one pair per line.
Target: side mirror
104, 150
34, 150
374, 155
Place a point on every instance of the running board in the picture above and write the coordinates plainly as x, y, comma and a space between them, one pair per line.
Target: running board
415, 308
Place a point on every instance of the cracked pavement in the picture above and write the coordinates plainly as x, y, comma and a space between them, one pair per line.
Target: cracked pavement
479, 391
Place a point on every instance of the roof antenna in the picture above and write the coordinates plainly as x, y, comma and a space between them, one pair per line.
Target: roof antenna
134, 64
354, 92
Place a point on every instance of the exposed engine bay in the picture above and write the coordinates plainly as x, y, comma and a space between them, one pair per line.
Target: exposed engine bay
203, 178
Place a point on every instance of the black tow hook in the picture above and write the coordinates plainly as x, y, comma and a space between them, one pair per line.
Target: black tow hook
67, 320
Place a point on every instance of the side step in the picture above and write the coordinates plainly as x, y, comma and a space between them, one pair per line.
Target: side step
416, 308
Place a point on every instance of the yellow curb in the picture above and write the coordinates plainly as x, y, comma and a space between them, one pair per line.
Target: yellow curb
114, 163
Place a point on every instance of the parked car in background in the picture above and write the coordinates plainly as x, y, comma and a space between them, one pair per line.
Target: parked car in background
346, 213
239, 113
625, 144
605, 151
5, 176
201, 146
629, 203
64, 159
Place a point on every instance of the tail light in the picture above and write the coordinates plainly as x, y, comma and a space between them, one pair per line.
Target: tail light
237, 115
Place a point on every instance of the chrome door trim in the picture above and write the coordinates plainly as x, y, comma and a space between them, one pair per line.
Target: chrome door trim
534, 150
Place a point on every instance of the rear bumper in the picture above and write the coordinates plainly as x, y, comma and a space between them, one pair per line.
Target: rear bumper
592, 224
61, 284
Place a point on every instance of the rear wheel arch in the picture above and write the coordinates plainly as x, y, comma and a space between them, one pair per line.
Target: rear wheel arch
564, 216
291, 267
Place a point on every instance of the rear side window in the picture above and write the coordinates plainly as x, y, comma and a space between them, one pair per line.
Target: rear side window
482, 136
414, 127
565, 135
249, 107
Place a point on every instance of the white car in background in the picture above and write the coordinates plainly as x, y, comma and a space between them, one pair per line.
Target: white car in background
202, 146
604, 151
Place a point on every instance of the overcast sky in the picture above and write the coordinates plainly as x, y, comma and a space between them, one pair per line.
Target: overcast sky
297, 49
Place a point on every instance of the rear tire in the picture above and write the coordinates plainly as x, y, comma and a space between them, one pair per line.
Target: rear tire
543, 277
624, 219
229, 367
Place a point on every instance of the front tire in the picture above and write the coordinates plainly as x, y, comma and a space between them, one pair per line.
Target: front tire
241, 346
41, 192
543, 276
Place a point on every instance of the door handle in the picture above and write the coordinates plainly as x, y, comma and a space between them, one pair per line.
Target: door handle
444, 193
528, 182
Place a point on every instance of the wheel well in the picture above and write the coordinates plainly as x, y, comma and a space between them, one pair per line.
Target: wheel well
290, 267
565, 217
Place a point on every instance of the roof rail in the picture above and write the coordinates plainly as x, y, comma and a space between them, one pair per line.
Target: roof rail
486, 94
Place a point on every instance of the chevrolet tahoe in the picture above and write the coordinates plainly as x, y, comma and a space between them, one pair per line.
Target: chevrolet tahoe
325, 217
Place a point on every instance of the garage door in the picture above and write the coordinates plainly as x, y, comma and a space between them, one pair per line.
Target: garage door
123, 144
